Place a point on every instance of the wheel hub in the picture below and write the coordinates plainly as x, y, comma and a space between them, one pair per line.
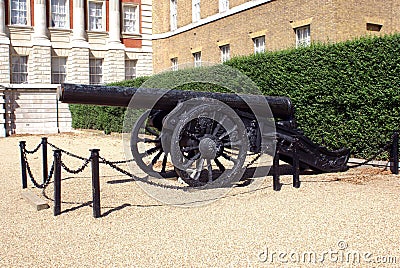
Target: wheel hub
208, 148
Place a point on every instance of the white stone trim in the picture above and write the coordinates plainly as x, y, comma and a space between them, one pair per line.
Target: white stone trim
218, 16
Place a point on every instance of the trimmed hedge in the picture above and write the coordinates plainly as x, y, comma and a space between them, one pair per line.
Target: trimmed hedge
107, 118
346, 94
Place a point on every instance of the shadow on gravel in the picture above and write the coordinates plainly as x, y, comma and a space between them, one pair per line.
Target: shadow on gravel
246, 180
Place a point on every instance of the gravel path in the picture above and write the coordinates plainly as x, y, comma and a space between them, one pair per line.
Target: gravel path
332, 220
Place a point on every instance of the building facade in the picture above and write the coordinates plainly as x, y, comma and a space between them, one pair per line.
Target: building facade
47, 42
195, 31
76, 41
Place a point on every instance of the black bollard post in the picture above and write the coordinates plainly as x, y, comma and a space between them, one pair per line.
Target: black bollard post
57, 182
95, 182
296, 164
22, 145
276, 185
44, 158
394, 154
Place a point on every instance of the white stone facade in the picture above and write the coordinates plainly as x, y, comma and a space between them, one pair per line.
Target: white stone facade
32, 109
40, 42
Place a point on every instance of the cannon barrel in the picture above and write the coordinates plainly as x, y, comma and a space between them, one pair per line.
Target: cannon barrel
281, 107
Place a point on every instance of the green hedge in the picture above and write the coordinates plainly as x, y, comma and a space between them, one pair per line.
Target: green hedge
345, 94
107, 118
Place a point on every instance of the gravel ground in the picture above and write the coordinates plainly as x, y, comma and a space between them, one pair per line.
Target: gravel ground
337, 220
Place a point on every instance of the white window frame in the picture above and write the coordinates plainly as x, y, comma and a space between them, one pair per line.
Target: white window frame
26, 13
132, 19
58, 69
95, 64
196, 15
19, 69
55, 10
223, 5
303, 36
225, 52
197, 59
174, 64
100, 18
173, 15
130, 69
259, 44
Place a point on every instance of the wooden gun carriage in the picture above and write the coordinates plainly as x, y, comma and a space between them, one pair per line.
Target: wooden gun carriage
201, 135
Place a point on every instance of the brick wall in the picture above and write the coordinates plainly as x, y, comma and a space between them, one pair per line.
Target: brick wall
329, 20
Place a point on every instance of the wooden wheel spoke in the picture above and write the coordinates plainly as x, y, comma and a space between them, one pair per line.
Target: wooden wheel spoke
228, 157
227, 133
219, 165
147, 140
233, 143
155, 159
164, 163
191, 161
152, 131
188, 149
210, 172
217, 128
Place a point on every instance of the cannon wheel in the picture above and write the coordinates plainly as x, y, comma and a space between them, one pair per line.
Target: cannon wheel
147, 149
209, 142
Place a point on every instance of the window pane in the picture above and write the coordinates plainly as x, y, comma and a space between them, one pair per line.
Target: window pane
225, 53
95, 71
130, 22
303, 36
58, 69
18, 12
59, 14
19, 69
173, 13
96, 16
197, 59
259, 44
130, 69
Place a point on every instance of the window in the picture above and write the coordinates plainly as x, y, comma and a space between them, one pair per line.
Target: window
96, 20
174, 64
59, 14
223, 5
197, 59
130, 69
195, 10
259, 44
374, 27
19, 69
225, 53
19, 12
58, 69
303, 36
174, 12
131, 24
96, 71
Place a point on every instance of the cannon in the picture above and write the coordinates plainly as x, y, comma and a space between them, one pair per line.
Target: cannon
201, 136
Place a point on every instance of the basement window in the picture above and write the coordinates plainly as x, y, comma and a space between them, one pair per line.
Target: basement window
372, 27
